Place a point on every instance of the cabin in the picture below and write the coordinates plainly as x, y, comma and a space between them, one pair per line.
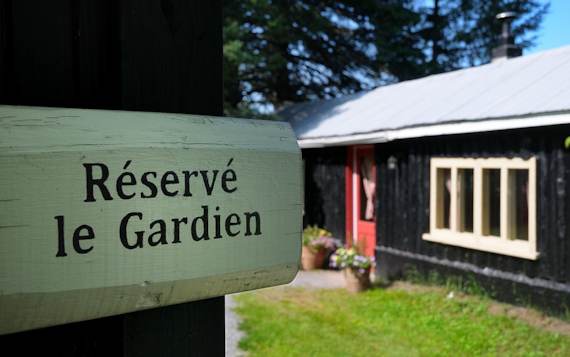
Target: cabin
461, 174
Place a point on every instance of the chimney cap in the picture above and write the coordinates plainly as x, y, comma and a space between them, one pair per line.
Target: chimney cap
506, 15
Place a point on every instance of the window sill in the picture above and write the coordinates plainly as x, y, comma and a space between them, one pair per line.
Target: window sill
514, 248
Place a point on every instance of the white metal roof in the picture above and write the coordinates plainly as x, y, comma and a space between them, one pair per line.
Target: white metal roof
532, 90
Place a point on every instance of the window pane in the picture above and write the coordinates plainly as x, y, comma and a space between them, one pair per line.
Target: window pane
492, 202
443, 190
367, 188
518, 204
465, 199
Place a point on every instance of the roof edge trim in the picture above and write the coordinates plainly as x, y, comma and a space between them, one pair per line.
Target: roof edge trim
437, 130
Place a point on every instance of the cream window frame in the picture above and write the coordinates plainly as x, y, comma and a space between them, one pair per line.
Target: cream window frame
526, 249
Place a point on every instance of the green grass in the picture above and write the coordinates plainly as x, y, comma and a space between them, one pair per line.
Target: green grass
297, 322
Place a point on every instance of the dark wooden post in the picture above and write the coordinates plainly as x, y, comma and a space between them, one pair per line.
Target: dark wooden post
152, 55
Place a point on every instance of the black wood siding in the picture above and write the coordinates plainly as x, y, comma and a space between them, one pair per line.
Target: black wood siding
325, 189
403, 200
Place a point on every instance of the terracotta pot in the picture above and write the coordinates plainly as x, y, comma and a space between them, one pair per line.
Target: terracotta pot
355, 281
311, 260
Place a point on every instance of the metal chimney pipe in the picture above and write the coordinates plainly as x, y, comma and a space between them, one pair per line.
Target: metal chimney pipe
506, 48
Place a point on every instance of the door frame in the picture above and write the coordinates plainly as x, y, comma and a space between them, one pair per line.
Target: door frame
352, 205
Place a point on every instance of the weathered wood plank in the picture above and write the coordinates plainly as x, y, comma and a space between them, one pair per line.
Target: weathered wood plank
143, 339
170, 76
42, 38
97, 54
51, 275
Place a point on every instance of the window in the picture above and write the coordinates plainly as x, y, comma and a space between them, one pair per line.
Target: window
484, 204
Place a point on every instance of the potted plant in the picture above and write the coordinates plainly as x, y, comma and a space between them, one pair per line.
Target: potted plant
355, 267
316, 242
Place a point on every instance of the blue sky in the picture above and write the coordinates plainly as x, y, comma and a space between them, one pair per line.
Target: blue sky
555, 31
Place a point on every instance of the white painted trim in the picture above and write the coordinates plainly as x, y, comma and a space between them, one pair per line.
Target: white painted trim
514, 248
453, 194
437, 129
476, 240
433, 198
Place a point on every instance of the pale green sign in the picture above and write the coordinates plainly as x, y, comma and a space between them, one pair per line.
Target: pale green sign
107, 212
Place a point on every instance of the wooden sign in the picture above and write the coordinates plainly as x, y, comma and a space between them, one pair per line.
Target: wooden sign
108, 212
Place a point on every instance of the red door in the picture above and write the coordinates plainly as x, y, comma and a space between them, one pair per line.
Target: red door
361, 198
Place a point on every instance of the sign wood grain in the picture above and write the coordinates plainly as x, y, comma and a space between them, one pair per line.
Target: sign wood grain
108, 212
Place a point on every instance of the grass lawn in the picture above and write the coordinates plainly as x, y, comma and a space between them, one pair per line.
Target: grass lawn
299, 322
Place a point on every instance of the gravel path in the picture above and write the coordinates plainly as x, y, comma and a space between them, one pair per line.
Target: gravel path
316, 279
233, 333
319, 279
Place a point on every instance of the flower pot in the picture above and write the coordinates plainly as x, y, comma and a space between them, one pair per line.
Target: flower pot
356, 281
311, 260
